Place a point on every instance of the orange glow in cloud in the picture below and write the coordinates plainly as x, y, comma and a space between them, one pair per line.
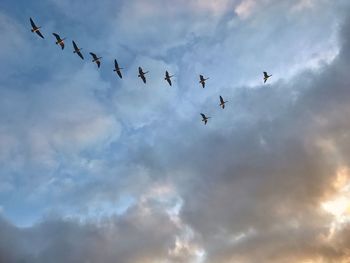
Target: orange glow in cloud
339, 205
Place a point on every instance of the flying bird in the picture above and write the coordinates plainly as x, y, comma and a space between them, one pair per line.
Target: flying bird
35, 29
205, 118
266, 76
77, 50
142, 75
59, 40
168, 77
117, 69
202, 80
222, 102
96, 59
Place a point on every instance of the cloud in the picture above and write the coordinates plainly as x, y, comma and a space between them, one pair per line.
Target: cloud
112, 169
145, 233
245, 8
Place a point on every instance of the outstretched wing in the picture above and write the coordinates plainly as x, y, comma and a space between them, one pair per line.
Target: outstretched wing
140, 71
169, 81
265, 75
57, 36
143, 78
116, 64
62, 44
203, 116
93, 55
201, 78
119, 74
75, 46
98, 63
32, 23
221, 100
39, 34
80, 55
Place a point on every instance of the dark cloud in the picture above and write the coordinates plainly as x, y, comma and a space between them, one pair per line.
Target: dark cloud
140, 235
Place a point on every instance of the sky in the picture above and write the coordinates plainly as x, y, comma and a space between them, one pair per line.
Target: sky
94, 168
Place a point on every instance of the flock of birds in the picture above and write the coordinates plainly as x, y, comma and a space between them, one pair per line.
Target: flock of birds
142, 74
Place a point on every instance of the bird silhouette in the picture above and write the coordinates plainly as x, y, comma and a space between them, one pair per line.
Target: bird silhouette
202, 80
96, 59
59, 40
168, 77
117, 69
77, 50
205, 118
35, 29
222, 102
266, 76
142, 75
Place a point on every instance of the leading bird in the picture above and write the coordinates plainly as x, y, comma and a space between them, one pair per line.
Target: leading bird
266, 76
35, 29
59, 40
202, 80
205, 118
142, 75
168, 77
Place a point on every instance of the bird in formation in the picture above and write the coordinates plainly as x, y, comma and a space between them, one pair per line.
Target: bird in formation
59, 40
117, 69
205, 118
168, 77
35, 29
266, 76
77, 50
96, 59
202, 80
222, 102
142, 75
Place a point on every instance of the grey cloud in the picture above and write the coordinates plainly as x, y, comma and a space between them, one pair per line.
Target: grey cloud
143, 234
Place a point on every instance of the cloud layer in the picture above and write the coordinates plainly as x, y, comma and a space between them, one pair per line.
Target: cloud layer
97, 169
